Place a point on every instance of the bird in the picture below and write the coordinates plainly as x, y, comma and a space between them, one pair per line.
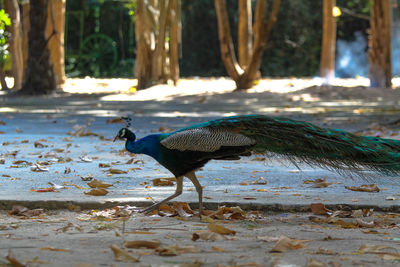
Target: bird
186, 150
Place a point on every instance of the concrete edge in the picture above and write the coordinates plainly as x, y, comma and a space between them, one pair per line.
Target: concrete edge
266, 207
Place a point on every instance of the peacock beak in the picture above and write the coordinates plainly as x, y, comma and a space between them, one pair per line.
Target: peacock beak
116, 138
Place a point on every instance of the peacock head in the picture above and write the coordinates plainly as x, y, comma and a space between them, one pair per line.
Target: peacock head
125, 133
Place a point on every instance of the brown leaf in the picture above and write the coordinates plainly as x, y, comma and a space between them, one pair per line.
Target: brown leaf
13, 261
121, 254
176, 250
183, 209
218, 249
19, 210
56, 249
321, 183
219, 229
260, 181
390, 256
315, 263
371, 248
152, 244
44, 190
39, 168
208, 236
98, 184
104, 165
365, 224
319, 209
166, 210
285, 243
116, 171
97, 192
162, 182
364, 188
37, 144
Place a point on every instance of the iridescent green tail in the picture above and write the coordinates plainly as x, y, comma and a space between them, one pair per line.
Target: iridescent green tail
304, 142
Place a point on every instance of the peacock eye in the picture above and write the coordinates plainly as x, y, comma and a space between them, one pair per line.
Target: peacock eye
122, 134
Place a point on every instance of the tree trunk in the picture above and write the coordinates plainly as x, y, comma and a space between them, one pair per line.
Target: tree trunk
244, 78
175, 40
379, 52
327, 64
25, 30
55, 33
143, 54
245, 33
157, 57
39, 74
3, 82
12, 8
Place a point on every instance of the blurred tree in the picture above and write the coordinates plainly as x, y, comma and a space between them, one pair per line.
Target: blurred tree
4, 21
245, 72
17, 64
327, 66
55, 26
379, 52
158, 38
39, 74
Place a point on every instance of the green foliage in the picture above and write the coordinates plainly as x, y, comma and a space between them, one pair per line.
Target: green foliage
293, 48
4, 22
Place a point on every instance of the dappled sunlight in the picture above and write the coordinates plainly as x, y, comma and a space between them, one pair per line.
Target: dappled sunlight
124, 89
185, 87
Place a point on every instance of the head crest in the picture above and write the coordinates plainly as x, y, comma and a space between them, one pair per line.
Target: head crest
128, 121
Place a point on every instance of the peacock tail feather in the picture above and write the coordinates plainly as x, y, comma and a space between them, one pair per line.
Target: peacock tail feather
298, 141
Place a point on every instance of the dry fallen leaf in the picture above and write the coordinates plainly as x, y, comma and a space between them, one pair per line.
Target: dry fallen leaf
371, 248
97, 192
98, 184
37, 144
285, 243
176, 250
183, 209
364, 188
219, 229
315, 263
104, 165
152, 244
121, 254
319, 209
162, 182
19, 210
43, 190
116, 171
56, 249
13, 261
208, 236
39, 168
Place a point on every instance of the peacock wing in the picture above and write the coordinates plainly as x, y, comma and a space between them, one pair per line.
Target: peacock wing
205, 139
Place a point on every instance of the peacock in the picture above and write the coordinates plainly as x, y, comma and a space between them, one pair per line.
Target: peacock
186, 150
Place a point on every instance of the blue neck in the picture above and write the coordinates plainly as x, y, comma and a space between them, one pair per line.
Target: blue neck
148, 145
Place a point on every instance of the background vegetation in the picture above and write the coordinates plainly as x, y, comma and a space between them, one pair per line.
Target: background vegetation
293, 48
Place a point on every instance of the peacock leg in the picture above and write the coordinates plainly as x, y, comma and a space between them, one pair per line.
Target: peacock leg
178, 191
192, 176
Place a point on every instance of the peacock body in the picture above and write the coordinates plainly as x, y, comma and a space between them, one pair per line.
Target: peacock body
184, 151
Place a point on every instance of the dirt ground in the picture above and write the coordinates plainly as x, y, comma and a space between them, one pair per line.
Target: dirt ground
342, 236
88, 238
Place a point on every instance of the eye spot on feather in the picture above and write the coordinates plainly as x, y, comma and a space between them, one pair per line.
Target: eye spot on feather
376, 139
